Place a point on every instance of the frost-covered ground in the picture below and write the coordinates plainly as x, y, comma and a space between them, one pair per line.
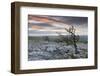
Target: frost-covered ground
52, 50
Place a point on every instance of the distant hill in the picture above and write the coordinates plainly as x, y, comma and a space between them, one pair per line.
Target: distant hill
53, 38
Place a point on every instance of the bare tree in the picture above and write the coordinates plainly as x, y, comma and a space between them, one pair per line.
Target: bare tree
73, 37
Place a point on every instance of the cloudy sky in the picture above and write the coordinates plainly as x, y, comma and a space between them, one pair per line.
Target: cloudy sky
40, 25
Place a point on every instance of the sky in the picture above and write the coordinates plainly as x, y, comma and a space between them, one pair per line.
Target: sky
47, 25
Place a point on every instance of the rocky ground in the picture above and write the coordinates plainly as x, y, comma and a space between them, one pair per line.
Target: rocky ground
53, 50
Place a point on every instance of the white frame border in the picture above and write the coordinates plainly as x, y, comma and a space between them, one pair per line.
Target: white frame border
25, 64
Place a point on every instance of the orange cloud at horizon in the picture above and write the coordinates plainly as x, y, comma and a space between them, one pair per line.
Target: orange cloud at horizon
40, 19
36, 27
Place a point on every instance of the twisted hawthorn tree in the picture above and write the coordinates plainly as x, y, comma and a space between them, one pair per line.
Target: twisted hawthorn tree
71, 39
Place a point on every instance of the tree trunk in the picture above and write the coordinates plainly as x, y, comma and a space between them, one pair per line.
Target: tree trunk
75, 45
